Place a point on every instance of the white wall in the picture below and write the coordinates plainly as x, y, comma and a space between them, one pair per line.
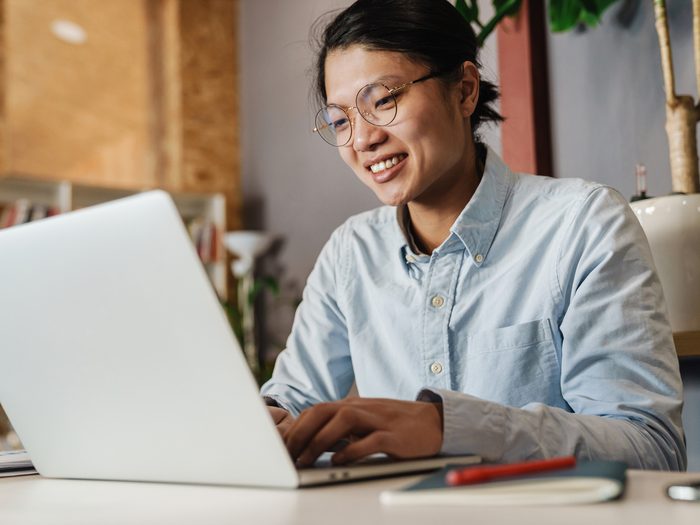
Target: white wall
607, 100
298, 186
294, 185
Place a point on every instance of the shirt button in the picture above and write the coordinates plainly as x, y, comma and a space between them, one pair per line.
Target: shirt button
436, 368
410, 259
437, 301
479, 258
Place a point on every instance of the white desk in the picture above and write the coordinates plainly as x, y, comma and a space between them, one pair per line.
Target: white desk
34, 500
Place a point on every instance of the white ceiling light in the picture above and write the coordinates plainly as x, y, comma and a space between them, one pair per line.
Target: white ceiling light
69, 32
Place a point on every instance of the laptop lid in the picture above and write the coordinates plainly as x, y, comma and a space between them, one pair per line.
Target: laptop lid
117, 361
116, 358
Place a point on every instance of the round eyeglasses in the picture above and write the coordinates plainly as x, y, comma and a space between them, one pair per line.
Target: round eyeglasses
376, 103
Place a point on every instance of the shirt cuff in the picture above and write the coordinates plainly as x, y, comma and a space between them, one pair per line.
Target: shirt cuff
274, 401
470, 425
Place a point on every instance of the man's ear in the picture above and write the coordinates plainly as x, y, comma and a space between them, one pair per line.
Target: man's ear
469, 85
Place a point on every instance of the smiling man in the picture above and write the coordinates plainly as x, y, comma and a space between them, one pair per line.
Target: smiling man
479, 310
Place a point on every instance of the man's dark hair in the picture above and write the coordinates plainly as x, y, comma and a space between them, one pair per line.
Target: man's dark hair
429, 32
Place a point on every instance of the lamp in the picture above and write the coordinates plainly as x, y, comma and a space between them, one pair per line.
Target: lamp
247, 246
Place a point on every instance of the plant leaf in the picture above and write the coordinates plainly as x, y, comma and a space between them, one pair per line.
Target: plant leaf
474, 9
235, 319
272, 284
593, 10
588, 18
510, 8
461, 6
591, 6
261, 284
604, 4
505, 7
470, 10
564, 14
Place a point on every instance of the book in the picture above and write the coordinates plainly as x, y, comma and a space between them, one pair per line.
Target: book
15, 463
206, 239
16, 213
22, 210
8, 216
587, 482
38, 212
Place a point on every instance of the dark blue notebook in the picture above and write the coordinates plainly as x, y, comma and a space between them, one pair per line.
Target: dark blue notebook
588, 482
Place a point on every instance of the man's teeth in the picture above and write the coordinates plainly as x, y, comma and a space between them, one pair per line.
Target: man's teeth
388, 163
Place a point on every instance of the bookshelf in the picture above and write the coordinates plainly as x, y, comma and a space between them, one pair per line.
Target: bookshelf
24, 199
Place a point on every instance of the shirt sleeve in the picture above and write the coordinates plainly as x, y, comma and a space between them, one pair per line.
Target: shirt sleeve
619, 369
315, 365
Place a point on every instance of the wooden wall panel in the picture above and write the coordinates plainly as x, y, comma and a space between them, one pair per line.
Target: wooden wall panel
164, 63
209, 114
194, 61
149, 100
78, 112
3, 119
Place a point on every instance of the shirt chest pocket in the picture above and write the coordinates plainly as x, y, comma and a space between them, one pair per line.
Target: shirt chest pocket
513, 365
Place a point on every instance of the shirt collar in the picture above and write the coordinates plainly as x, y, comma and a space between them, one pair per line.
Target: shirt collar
478, 222
404, 220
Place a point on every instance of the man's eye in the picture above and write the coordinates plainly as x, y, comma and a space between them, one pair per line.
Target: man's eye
340, 124
387, 102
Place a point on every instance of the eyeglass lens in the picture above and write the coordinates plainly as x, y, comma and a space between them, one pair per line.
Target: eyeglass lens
375, 103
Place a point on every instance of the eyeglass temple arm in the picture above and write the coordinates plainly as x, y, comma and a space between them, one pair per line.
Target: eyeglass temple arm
421, 79
404, 86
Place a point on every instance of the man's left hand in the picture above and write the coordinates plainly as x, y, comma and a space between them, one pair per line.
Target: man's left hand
400, 429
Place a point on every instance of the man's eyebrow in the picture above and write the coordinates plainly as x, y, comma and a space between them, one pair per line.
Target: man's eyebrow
387, 78
390, 80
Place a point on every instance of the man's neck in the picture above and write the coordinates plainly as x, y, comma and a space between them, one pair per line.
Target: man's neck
431, 221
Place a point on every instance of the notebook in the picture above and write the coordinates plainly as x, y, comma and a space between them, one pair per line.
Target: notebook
588, 482
15, 463
117, 360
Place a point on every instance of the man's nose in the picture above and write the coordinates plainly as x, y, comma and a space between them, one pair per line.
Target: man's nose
366, 135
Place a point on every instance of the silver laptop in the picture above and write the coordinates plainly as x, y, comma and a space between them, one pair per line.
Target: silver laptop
117, 361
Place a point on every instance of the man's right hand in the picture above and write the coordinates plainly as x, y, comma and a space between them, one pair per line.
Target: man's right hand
282, 419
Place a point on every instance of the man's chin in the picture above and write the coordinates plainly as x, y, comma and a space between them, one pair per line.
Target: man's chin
392, 200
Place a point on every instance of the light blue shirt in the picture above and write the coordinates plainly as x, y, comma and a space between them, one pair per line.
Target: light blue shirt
539, 323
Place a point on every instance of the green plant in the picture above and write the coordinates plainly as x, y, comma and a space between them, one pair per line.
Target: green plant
234, 310
241, 314
563, 14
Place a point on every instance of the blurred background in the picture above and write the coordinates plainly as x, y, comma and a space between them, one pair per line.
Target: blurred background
211, 100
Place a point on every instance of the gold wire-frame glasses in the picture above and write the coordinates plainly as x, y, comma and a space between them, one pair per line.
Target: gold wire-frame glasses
375, 103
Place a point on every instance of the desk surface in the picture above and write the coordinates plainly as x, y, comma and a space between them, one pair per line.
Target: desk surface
34, 500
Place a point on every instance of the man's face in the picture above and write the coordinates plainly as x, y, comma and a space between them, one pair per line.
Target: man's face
427, 140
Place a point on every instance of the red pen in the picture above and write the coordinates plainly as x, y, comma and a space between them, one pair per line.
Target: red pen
469, 475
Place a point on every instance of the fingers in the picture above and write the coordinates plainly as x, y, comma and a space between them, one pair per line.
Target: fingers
307, 425
375, 442
283, 420
320, 428
278, 414
336, 429
283, 426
